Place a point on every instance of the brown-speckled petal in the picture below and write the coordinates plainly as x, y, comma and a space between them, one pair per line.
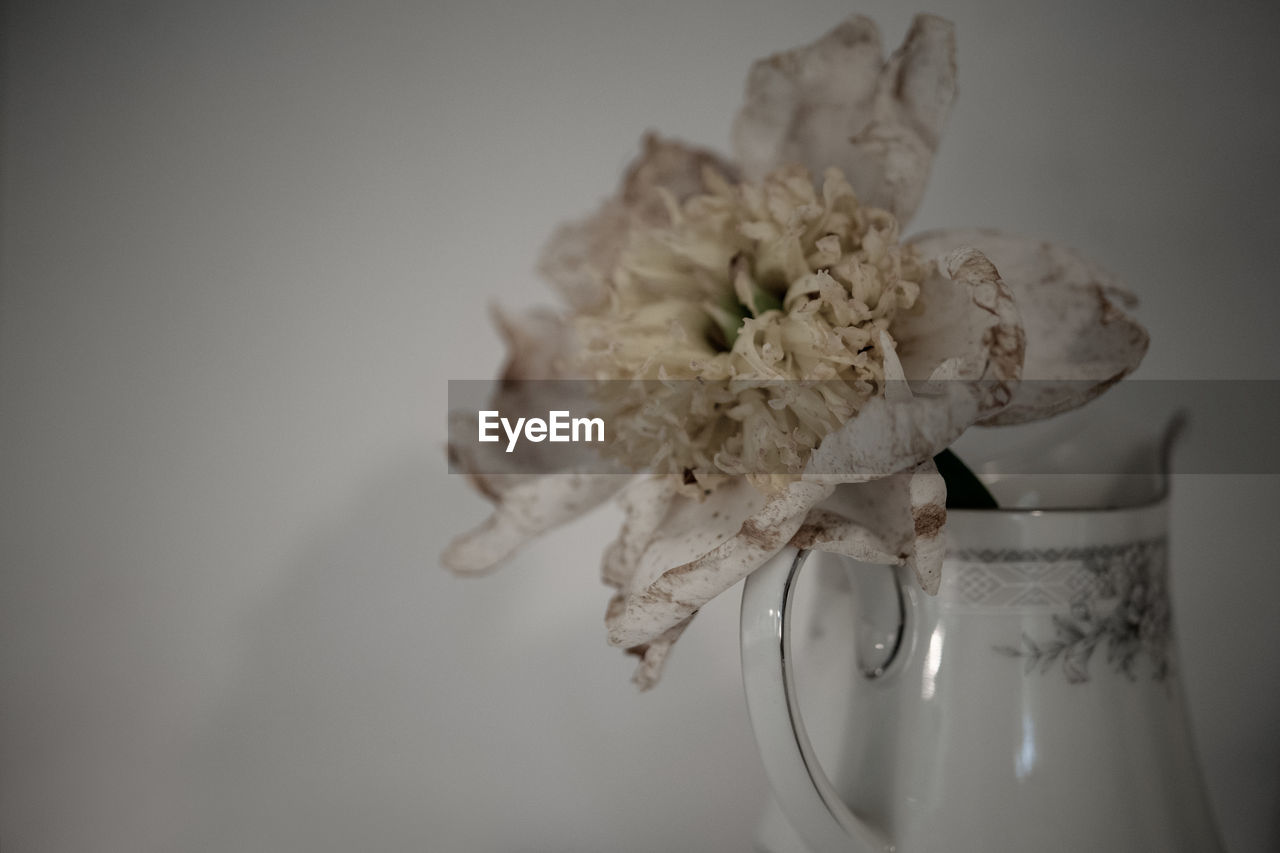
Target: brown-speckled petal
966, 328
645, 503
702, 549
827, 530
928, 492
530, 506
528, 499
894, 520
580, 255
836, 102
653, 654
1080, 341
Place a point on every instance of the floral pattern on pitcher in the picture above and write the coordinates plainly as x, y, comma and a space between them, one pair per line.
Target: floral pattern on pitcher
1117, 602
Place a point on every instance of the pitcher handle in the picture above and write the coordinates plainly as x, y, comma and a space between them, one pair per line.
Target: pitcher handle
803, 791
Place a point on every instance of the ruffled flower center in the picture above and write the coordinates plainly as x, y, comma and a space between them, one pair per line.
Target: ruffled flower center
747, 329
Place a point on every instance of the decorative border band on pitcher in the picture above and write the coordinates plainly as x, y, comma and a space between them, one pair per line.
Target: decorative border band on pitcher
1104, 601
1037, 577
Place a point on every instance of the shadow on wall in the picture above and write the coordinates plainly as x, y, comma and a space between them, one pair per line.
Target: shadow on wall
313, 744
375, 707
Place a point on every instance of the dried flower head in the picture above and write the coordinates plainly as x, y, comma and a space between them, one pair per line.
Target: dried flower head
780, 362
773, 295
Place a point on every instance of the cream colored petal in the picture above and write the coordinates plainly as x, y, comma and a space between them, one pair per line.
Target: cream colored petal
482, 548
803, 105
580, 255
827, 530
836, 102
1080, 341
702, 549
539, 344
539, 487
894, 520
948, 370
653, 654
882, 506
896, 387
891, 157
526, 508
666, 165
490, 470
928, 518
967, 328
645, 503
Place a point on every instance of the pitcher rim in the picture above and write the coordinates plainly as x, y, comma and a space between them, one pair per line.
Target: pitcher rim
1161, 497
1172, 432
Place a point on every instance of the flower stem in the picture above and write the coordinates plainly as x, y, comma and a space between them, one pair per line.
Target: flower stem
964, 489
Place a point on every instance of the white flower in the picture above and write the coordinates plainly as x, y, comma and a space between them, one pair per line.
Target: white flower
740, 274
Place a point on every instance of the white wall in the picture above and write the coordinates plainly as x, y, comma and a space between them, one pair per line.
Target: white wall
245, 245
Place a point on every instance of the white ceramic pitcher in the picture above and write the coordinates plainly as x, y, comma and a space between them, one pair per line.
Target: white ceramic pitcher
1032, 705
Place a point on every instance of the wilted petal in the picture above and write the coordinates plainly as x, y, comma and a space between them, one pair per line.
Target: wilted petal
837, 103
484, 547
539, 344
491, 470
580, 255
530, 497
928, 517
894, 520
670, 166
702, 549
891, 158
645, 503
532, 505
653, 654
803, 105
827, 530
896, 387
1079, 340
968, 330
